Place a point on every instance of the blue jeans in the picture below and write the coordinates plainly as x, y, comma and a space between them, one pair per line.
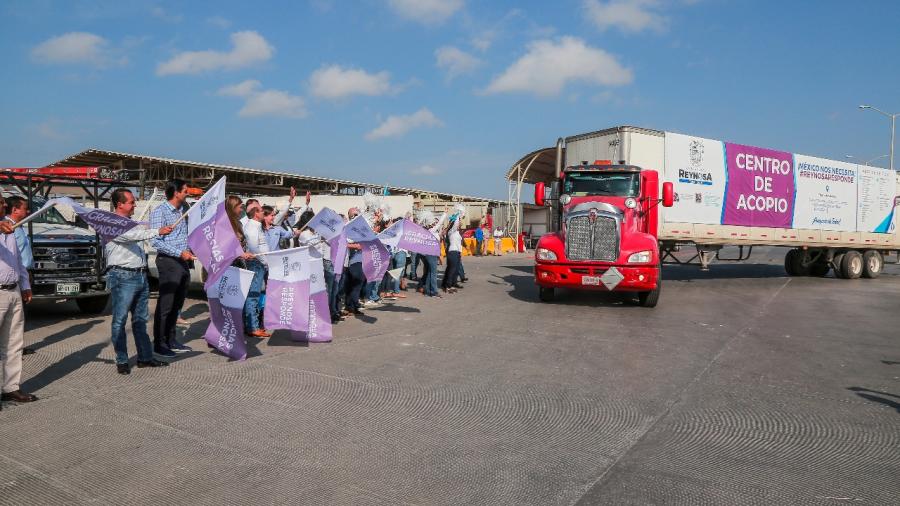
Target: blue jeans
371, 290
431, 276
413, 260
399, 260
130, 293
251, 305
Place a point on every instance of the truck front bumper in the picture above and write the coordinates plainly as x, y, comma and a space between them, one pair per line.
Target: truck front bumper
583, 276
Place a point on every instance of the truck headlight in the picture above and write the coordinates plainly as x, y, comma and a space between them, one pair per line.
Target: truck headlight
545, 254
641, 257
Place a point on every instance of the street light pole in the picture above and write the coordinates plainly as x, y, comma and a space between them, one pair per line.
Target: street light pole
893, 122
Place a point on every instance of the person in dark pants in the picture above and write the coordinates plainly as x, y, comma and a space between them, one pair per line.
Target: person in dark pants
173, 263
355, 278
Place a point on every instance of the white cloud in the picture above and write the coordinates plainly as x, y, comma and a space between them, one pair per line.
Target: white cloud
219, 22
242, 89
259, 102
425, 170
249, 48
77, 48
549, 66
455, 61
626, 15
273, 103
426, 11
335, 82
397, 126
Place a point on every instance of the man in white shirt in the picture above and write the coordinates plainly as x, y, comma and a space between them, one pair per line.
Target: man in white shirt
126, 278
15, 290
498, 241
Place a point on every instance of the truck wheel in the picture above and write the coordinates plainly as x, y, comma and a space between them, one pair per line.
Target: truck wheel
793, 263
649, 299
836, 265
873, 263
852, 265
789, 262
546, 294
92, 305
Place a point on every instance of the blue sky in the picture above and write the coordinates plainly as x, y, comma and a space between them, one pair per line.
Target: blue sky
439, 94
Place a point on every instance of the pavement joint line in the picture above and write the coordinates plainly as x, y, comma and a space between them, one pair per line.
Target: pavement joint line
181, 432
83, 495
677, 400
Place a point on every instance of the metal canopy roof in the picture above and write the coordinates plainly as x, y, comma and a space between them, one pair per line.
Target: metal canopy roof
537, 166
154, 170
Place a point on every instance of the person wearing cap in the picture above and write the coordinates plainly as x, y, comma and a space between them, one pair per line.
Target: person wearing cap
126, 278
15, 289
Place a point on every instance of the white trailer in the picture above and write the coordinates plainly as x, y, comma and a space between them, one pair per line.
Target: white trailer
834, 214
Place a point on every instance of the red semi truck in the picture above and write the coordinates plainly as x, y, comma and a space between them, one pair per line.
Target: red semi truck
608, 234
614, 223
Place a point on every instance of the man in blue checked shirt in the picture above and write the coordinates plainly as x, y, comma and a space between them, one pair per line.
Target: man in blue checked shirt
173, 262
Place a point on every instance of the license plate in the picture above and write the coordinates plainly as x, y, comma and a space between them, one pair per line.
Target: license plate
590, 280
68, 288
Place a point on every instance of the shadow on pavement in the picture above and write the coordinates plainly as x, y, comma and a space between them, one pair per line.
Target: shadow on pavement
283, 338
524, 289
74, 330
391, 308
868, 395
62, 367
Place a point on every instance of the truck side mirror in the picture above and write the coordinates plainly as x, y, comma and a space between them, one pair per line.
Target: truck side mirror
539, 194
668, 194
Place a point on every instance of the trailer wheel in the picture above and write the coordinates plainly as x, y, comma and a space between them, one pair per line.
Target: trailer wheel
836, 265
793, 263
92, 305
852, 265
873, 263
546, 294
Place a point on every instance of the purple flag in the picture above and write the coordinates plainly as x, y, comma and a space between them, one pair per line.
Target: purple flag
319, 328
327, 223
338, 252
107, 225
210, 235
226, 312
375, 260
358, 230
405, 234
287, 293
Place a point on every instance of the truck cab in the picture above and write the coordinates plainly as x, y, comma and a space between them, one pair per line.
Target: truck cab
608, 216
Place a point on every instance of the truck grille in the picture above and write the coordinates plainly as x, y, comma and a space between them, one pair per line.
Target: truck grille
599, 241
64, 262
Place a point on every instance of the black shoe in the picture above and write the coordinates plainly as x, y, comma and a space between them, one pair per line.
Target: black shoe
163, 351
152, 363
464, 280
18, 396
27, 351
123, 368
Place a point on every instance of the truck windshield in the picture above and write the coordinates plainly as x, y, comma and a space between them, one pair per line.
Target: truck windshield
616, 184
52, 216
